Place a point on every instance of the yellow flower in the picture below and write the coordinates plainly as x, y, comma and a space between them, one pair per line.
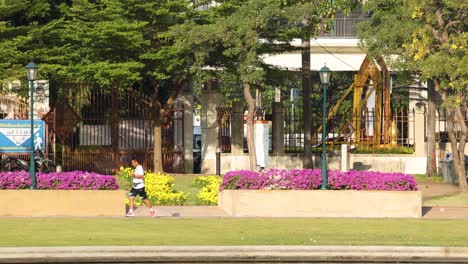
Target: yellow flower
159, 188
209, 191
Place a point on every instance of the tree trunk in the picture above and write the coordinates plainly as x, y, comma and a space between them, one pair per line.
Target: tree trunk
460, 167
162, 115
307, 161
250, 125
157, 150
157, 130
458, 154
115, 138
431, 167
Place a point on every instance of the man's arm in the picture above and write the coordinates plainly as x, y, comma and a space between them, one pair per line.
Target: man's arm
141, 173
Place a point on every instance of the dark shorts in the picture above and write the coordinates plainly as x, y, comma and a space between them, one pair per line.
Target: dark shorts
134, 192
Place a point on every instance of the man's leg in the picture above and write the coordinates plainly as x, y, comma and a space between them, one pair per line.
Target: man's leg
150, 206
147, 202
131, 199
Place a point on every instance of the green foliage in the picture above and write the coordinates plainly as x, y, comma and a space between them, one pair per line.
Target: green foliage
105, 43
429, 39
209, 189
231, 37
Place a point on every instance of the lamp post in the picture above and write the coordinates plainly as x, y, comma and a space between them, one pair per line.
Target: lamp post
325, 79
218, 161
31, 70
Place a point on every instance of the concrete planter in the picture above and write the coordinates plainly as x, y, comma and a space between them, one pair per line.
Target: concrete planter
321, 203
38, 203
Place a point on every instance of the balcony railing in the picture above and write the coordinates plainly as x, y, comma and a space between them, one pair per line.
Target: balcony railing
344, 27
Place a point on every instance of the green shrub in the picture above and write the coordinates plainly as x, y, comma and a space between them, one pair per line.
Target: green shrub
394, 150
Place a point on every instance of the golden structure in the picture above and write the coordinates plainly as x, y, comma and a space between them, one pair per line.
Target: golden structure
373, 76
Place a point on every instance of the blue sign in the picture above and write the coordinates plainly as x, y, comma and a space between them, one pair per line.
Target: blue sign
15, 135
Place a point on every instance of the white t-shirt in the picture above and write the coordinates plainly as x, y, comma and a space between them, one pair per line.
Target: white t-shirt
138, 183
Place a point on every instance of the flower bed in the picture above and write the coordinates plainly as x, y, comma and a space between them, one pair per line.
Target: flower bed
209, 189
74, 193
159, 187
74, 180
293, 193
307, 179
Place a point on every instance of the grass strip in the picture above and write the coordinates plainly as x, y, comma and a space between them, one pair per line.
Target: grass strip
228, 231
456, 199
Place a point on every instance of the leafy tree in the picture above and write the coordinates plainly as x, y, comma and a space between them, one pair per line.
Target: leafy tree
236, 33
119, 45
233, 36
430, 40
308, 19
166, 67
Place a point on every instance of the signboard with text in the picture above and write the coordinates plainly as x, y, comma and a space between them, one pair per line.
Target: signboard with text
15, 135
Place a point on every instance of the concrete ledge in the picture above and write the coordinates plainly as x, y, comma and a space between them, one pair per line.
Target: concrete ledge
228, 254
39, 203
321, 203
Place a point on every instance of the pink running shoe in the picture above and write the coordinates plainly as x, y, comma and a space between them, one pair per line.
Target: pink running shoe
130, 214
152, 213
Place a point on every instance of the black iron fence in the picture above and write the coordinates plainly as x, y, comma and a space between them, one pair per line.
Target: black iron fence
441, 125
293, 129
116, 127
224, 119
362, 132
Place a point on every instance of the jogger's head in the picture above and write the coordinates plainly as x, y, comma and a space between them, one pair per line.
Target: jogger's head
135, 162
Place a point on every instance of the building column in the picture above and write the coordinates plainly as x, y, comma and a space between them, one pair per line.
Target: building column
419, 144
210, 99
345, 158
186, 99
237, 129
278, 128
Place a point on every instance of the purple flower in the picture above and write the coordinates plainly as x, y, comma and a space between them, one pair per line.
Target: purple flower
307, 179
73, 180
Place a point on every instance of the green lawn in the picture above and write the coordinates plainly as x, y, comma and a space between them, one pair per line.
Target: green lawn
183, 183
456, 199
421, 178
222, 231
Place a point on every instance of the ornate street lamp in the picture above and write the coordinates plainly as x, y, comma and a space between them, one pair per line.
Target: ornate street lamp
325, 79
31, 70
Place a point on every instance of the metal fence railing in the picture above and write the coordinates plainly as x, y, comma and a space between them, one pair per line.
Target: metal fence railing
344, 27
115, 128
441, 125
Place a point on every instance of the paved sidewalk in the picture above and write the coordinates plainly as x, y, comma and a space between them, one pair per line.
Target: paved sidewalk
445, 212
182, 211
214, 211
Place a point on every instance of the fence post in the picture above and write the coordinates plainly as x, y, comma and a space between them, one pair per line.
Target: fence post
345, 158
210, 99
278, 128
419, 144
237, 129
